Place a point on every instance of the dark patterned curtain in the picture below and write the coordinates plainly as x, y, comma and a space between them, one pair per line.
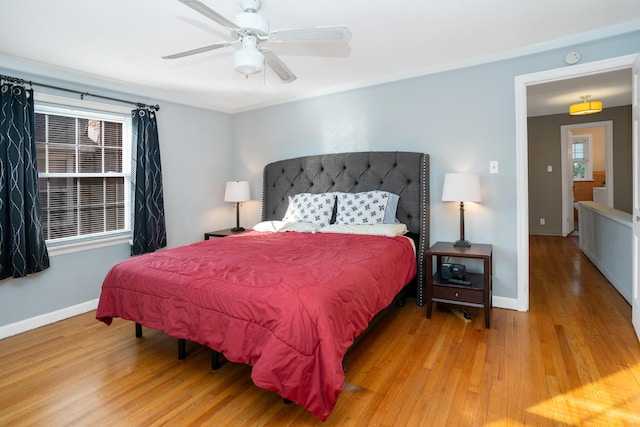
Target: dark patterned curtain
149, 231
22, 245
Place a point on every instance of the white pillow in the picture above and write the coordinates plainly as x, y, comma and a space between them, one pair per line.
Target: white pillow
281, 226
268, 226
389, 230
300, 227
311, 208
363, 208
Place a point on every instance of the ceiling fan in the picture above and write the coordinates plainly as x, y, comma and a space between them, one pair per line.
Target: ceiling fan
251, 30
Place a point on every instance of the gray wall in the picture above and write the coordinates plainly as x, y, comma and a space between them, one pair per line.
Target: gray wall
196, 155
463, 118
545, 189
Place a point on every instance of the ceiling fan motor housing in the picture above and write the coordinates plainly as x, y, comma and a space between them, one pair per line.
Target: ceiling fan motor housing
253, 22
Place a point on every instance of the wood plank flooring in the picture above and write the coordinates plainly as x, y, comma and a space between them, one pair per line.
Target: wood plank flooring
573, 359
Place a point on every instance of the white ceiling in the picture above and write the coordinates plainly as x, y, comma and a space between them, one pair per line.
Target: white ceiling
123, 41
612, 88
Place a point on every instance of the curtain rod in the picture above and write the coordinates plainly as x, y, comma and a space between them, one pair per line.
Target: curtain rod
82, 94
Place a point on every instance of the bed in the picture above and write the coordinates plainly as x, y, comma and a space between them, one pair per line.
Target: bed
276, 300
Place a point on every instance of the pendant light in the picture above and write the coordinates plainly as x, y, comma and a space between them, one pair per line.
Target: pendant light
585, 107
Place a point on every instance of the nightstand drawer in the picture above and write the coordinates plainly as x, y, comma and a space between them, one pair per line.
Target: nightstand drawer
469, 295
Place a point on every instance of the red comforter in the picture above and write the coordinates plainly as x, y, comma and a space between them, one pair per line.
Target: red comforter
288, 304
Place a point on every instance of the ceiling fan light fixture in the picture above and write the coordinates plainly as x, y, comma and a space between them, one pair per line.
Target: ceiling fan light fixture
247, 61
585, 107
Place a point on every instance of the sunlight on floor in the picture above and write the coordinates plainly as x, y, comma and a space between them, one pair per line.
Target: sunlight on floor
591, 403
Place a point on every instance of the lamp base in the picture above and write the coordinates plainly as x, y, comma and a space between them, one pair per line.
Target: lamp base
462, 244
237, 229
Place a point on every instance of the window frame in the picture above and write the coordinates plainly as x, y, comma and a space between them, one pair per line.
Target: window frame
51, 104
588, 160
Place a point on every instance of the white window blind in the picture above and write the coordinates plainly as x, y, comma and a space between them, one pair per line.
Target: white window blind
84, 173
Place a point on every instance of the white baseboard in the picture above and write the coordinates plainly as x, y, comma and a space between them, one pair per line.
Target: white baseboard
502, 302
46, 319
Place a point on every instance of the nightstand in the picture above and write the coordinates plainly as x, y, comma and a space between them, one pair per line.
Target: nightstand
477, 294
221, 233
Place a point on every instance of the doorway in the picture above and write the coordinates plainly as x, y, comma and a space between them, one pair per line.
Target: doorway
522, 191
599, 174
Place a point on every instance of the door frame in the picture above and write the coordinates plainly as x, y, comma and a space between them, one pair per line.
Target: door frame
635, 138
567, 176
522, 155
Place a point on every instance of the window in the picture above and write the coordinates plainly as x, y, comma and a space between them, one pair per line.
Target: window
84, 173
581, 157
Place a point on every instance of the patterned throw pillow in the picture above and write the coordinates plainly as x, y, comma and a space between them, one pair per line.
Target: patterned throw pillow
312, 208
362, 208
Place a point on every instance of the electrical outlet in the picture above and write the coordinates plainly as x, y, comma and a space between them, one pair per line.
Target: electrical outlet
542, 221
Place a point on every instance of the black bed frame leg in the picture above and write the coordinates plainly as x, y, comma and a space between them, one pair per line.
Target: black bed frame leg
182, 349
138, 330
402, 301
215, 360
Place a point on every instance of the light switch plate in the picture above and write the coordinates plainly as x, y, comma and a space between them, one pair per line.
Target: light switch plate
549, 168
493, 166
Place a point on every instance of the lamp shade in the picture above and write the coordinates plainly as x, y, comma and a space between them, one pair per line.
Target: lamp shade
585, 108
237, 191
461, 187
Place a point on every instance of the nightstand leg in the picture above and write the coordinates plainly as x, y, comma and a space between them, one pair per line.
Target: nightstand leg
488, 285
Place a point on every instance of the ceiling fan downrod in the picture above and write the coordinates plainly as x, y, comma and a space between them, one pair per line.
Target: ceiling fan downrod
251, 5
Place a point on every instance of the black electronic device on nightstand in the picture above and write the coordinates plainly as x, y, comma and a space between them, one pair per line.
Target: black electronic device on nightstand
454, 273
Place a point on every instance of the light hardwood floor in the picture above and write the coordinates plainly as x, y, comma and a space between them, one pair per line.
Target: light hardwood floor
573, 359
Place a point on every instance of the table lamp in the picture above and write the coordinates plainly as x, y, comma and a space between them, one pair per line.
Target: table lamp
461, 187
237, 192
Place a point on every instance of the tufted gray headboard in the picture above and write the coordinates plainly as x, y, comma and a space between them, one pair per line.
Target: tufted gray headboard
403, 173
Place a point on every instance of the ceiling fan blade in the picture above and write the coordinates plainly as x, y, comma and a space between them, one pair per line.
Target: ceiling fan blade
198, 50
210, 13
339, 33
279, 67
